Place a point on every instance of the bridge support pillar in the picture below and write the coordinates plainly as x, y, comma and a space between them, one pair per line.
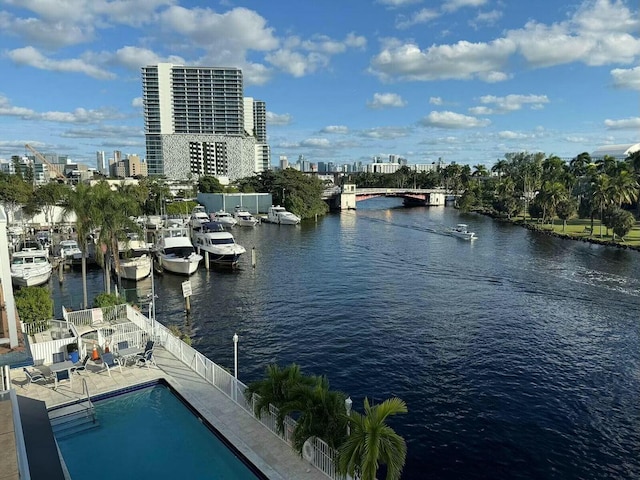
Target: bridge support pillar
348, 197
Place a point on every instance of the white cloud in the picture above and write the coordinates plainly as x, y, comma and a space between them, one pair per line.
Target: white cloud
600, 32
79, 115
386, 100
511, 103
629, 78
481, 110
385, 133
136, 57
453, 5
137, 102
624, 124
105, 131
32, 57
436, 101
316, 143
398, 3
509, 135
448, 119
424, 15
462, 60
278, 119
486, 18
338, 129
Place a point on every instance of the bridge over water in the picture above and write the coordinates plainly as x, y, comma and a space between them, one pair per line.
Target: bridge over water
346, 196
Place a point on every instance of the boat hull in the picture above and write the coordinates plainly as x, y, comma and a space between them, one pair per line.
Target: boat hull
30, 278
180, 266
135, 270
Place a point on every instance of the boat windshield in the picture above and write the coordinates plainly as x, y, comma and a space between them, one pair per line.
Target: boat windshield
221, 241
179, 251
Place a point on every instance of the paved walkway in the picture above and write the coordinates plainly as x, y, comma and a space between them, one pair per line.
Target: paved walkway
272, 456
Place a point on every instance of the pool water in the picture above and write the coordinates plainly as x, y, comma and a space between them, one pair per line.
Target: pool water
150, 433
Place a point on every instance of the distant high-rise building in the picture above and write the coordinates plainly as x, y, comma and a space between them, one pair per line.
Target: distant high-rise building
101, 163
284, 162
195, 122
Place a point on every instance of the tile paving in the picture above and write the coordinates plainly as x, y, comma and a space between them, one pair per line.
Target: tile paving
265, 450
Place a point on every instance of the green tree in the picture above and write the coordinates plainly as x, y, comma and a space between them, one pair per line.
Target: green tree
209, 184
49, 196
372, 442
622, 222
277, 389
34, 305
81, 201
565, 209
14, 192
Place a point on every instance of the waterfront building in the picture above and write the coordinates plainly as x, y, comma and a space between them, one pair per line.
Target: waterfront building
196, 123
619, 152
101, 163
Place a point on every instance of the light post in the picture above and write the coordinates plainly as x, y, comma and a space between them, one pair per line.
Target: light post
235, 355
347, 405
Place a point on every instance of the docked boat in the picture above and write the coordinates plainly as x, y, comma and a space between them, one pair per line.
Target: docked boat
70, 252
244, 218
461, 230
280, 215
134, 259
225, 218
175, 253
214, 241
198, 216
30, 267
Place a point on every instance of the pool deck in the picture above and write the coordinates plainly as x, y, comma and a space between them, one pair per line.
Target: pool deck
265, 450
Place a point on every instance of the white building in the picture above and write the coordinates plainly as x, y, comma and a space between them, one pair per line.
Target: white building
619, 152
196, 122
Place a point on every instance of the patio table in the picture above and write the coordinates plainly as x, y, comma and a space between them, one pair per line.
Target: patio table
59, 367
125, 354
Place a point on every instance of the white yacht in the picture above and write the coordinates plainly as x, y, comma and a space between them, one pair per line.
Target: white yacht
244, 218
218, 244
461, 230
30, 267
134, 257
198, 216
225, 218
278, 214
70, 251
175, 253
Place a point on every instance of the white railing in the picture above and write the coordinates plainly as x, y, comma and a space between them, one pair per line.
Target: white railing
31, 328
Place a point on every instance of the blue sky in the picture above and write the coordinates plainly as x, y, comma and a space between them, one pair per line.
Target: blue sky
344, 81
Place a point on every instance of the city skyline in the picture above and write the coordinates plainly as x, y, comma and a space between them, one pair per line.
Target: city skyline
464, 81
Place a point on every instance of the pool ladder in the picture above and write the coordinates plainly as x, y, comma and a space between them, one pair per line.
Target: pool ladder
77, 417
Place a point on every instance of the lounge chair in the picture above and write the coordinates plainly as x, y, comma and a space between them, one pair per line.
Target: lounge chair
80, 366
109, 362
35, 376
146, 358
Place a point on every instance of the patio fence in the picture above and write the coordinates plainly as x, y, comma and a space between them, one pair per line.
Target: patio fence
322, 457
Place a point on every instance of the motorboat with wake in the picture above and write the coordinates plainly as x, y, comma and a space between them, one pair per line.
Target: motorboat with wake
175, 253
214, 241
244, 218
461, 230
280, 215
30, 267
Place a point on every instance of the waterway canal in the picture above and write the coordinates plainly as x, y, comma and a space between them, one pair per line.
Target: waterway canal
518, 354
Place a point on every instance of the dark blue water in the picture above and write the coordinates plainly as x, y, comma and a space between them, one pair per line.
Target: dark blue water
518, 355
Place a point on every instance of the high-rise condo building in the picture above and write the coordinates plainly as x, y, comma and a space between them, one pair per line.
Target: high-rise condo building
196, 122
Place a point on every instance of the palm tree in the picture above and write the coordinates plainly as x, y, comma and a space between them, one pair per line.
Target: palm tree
372, 442
276, 389
81, 201
320, 413
601, 197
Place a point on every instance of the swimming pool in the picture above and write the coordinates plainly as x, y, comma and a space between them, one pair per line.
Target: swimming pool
151, 433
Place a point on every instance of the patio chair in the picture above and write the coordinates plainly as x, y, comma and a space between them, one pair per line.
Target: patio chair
109, 362
145, 358
80, 366
35, 376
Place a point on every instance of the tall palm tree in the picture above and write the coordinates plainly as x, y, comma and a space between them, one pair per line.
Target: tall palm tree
372, 442
81, 201
601, 195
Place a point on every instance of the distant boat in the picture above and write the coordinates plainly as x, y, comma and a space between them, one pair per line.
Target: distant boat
244, 218
30, 267
461, 230
198, 216
280, 215
70, 252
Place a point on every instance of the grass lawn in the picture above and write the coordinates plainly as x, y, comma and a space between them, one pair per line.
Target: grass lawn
580, 228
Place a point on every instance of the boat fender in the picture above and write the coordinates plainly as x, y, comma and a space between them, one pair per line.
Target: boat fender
307, 450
